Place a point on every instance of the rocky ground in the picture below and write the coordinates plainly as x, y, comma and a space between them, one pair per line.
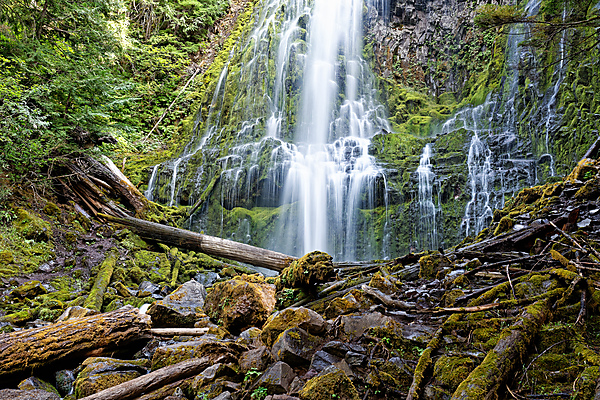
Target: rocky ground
512, 313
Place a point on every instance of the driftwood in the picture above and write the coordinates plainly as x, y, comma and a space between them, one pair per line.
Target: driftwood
27, 350
485, 380
210, 245
387, 300
90, 182
154, 380
179, 331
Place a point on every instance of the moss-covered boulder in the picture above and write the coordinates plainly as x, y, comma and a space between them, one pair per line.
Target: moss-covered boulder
100, 373
29, 290
431, 264
295, 346
182, 308
329, 385
302, 317
312, 269
31, 226
241, 302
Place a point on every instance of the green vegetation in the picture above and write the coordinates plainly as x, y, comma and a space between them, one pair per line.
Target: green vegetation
77, 74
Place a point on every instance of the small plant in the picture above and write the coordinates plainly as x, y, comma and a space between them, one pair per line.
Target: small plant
250, 375
259, 393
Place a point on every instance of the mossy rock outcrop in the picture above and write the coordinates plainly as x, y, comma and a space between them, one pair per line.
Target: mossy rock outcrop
241, 302
31, 226
312, 269
100, 373
301, 317
329, 385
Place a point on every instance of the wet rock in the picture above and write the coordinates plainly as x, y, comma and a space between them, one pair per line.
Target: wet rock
147, 289
355, 359
258, 359
301, 317
312, 269
251, 337
12, 394
207, 346
64, 381
212, 373
182, 308
35, 383
278, 378
329, 384
29, 290
76, 312
241, 302
295, 346
340, 349
207, 278
322, 360
100, 373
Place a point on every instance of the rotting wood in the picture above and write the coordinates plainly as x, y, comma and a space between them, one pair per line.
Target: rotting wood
156, 379
484, 381
210, 245
28, 350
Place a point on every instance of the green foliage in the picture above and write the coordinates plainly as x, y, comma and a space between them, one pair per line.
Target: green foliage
493, 15
259, 393
93, 68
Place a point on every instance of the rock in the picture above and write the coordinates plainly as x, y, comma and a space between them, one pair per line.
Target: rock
207, 278
64, 381
353, 326
12, 394
35, 383
100, 373
251, 337
212, 373
312, 269
76, 312
31, 226
431, 264
223, 396
147, 289
207, 346
382, 283
278, 378
355, 359
332, 383
124, 291
241, 302
341, 306
322, 360
258, 359
182, 308
295, 346
340, 349
29, 290
301, 317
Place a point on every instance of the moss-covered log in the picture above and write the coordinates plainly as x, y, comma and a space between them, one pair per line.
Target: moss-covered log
154, 380
210, 245
485, 380
96, 296
28, 350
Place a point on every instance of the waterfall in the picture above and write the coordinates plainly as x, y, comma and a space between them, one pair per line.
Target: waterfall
427, 224
289, 129
496, 164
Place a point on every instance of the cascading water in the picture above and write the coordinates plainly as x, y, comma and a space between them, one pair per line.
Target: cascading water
427, 224
496, 165
289, 127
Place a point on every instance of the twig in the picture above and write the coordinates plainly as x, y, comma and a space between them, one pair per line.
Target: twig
510, 283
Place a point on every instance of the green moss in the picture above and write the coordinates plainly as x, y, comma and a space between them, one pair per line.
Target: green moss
505, 224
311, 269
327, 386
451, 371
31, 226
96, 297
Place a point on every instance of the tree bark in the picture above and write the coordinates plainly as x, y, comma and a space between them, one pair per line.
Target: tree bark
27, 350
154, 380
210, 245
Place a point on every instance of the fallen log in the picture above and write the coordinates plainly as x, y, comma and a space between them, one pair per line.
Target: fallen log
154, 380
483, 382
210, 245
27, 350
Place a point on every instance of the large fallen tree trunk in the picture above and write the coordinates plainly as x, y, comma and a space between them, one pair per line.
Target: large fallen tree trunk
27, 350
154, 380
210, 245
